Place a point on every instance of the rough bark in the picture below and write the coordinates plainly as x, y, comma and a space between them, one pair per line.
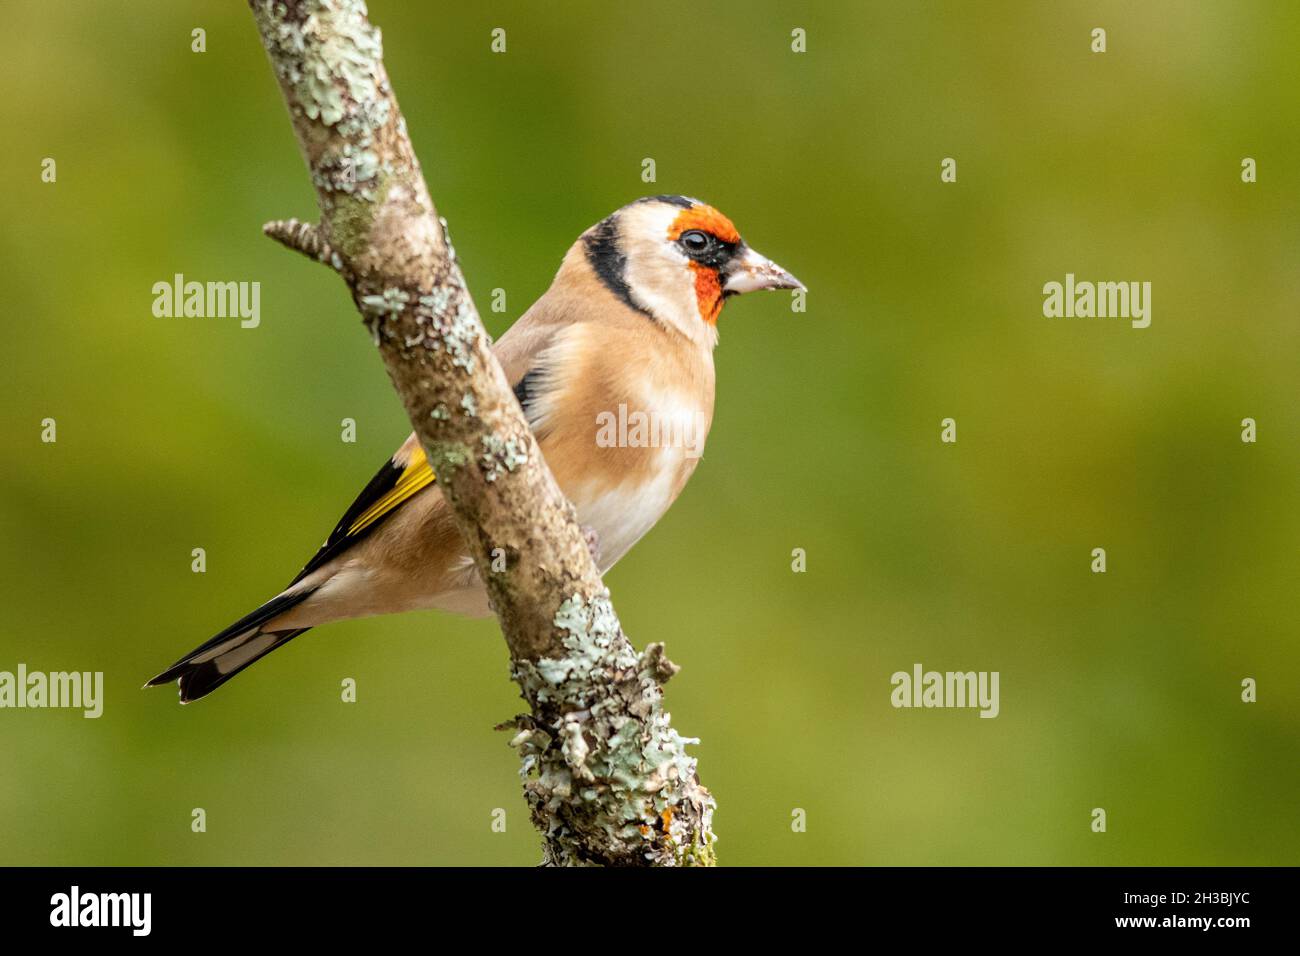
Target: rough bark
606, 777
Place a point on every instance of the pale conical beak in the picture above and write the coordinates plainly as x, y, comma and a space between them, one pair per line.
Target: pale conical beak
751, 272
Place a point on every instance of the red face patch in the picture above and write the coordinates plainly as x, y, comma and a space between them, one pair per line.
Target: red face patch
708, 286
706, 219
708, 292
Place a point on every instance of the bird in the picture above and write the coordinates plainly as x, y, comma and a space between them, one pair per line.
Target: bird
613, 368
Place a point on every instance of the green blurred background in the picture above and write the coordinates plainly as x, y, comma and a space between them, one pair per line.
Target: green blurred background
1118, 691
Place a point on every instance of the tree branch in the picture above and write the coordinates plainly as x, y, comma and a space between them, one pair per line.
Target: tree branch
607, 779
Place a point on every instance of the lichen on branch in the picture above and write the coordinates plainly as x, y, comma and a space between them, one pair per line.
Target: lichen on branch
609, 780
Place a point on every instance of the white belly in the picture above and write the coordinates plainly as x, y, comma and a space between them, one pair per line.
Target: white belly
621, 515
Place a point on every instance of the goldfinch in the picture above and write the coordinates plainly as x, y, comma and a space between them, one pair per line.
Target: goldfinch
613, 367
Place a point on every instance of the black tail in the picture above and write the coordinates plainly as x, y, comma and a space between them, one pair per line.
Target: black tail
215, 661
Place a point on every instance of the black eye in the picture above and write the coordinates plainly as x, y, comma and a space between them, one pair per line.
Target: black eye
695, 241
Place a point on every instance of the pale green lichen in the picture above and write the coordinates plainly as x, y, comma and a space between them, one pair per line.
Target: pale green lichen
332, 51
389, 304
352, 170
502, 455
446, 457
329, 58
607, 774
379, 310
450, 322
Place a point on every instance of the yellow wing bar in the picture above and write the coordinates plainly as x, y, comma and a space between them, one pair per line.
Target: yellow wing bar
417, 476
